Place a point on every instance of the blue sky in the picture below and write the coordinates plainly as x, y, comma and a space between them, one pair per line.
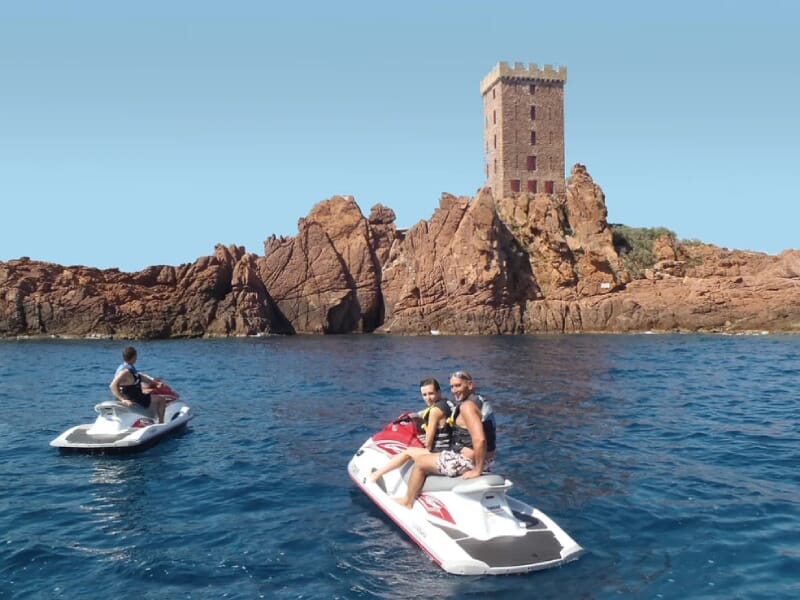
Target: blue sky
145, 134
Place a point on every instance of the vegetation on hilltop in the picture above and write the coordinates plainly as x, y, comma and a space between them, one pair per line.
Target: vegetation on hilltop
634, 245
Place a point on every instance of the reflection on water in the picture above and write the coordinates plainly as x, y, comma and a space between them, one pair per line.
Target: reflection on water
117, 471
121, 505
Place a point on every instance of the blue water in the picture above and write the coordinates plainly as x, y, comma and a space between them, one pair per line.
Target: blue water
672, 459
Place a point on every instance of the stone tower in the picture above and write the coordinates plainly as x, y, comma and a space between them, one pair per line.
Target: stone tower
523, 109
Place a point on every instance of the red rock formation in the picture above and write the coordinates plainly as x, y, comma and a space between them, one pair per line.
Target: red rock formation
527, 263
327, 278
597, 264
308, 282
461, 272
383, 232
218, 294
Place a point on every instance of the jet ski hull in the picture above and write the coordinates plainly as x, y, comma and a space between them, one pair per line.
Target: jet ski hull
467, 527
120, 429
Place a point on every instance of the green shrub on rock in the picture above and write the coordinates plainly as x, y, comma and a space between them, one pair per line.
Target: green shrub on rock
634, 245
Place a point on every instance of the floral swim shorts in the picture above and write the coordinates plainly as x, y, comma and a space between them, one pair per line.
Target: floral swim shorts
453, 464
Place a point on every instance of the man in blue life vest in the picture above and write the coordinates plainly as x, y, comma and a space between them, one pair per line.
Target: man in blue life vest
127, 385
472, 445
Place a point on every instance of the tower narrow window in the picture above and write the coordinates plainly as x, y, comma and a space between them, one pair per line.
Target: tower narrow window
531, 163
532, 89
533, 113
495, 141
533, 138
515, 185
532, 186
494, 117
548, 187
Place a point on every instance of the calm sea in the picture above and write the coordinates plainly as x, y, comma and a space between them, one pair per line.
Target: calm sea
674, 460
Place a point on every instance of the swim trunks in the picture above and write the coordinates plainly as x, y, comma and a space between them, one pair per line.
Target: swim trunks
453, 464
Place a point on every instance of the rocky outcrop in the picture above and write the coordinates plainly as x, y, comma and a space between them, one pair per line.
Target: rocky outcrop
460, 272
219, 294
327, 278
568, 240
488, 266
522, 264
383, 232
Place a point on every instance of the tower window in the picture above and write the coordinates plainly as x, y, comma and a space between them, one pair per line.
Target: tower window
532, 89
533, 138
494, 117
495, 141
531, 163
515, 185
533, 113
493, 92
548, 187
532, 186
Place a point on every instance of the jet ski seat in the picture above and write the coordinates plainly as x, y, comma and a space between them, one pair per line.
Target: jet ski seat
442, 483
117, 406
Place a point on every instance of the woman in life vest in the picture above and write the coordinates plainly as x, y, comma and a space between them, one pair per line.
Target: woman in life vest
435, 423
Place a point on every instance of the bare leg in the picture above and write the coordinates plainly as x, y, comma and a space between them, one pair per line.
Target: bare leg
160, 406
397, 461
423, 464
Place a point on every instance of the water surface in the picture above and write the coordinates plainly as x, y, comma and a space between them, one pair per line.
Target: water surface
671, 459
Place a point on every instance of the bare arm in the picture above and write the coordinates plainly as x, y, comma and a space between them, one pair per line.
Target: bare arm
119, 379
472, 419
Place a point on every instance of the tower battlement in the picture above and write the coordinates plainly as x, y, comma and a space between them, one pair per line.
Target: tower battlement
523, 73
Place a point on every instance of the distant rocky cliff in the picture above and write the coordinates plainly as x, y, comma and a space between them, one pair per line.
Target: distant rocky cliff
526, 264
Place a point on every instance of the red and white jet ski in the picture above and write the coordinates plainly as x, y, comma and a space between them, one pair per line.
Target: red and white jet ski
467, 526
120, 428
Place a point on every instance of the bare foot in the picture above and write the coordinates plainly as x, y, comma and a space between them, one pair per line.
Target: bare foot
401, 500
373, 477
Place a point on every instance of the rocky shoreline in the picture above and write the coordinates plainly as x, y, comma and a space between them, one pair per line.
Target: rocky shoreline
520, 265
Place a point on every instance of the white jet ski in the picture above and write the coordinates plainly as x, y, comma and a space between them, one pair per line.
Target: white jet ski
120, 428
467, 526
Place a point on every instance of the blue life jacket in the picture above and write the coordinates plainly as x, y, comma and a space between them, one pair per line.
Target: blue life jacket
133, 391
